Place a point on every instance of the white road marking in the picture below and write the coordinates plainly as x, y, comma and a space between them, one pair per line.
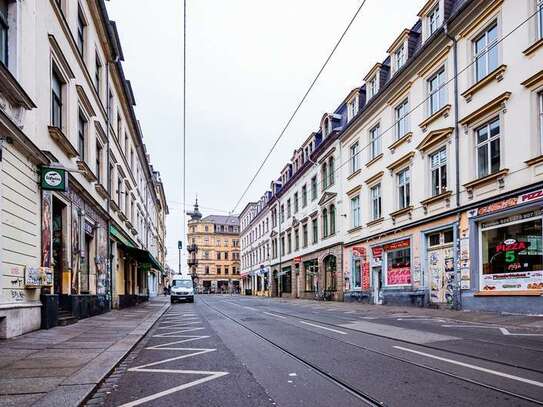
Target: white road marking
174, 334
175, 326
197, 351
506, 332
480, 369
274, 315
323, 327
189, 338
251, 308
420, 319
469, 326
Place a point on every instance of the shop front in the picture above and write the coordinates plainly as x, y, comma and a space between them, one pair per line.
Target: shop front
506, 252
310, 278
357, 278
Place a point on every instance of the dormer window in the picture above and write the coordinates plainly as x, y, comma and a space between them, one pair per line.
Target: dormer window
326, 127
399, 58
433, 20
372, 86
352, 108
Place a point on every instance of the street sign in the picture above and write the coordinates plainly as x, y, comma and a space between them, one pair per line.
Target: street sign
53, 179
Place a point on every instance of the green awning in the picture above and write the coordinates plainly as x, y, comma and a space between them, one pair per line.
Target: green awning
144, 256
117, 234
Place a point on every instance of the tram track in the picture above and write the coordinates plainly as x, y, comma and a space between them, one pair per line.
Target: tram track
363, 395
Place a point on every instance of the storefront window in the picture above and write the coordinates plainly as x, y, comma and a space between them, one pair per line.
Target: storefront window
512, 254
398, 263
311, 270
356, 273
330, 273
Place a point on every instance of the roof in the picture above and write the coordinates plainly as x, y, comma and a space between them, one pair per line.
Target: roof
222, 220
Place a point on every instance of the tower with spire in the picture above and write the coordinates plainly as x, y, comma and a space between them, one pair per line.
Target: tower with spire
195, 214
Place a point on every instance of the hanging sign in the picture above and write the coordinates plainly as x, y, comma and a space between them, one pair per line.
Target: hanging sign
53, 179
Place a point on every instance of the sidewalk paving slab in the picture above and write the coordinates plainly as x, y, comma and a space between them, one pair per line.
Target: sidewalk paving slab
62, 366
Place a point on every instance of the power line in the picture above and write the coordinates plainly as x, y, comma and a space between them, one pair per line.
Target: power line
176, 203
300, 104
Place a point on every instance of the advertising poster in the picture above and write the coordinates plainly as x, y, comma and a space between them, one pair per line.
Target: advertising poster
46, 229
366, 276
76, 247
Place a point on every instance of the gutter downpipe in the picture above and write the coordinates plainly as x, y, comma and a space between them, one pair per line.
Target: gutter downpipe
457, 298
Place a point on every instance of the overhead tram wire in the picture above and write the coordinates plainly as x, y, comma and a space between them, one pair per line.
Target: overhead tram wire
469, 65
184, 124
291, 118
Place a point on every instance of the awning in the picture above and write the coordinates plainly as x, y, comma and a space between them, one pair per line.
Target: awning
144, 256
117, 234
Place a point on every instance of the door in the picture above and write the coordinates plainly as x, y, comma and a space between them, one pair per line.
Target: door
441, 273
377, 285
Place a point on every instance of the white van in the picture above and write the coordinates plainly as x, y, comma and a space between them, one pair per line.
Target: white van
182, 289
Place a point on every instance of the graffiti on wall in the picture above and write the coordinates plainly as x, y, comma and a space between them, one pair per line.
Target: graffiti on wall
441, 270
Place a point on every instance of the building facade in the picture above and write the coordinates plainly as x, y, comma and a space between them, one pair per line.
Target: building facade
439, 166
214, 252
82, 215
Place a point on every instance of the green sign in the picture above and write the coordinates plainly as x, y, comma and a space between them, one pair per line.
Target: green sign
53, 179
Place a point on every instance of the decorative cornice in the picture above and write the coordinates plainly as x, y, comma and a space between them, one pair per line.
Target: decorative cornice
313, 214
328, 154
497, 176
480, 19
534, 161
533, 48
406, 138
487, 108
430, 4
399, 40
354, 190
443, 112
496, 74
375, 222
405, 159
404, 211
434, 61
326, 197
372, 71
374, 178
374, 160
62, 141
534, 80
354, 174
86, 171
60, 56
433, 138
400, 94
13, 91
101, 190
100, 132
356, 229
444, 196
85, 101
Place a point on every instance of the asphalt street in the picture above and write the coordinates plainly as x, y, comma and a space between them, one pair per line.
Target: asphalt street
247, 351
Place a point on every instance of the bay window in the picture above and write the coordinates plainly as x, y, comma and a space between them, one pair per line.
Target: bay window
488, 148
438, 170
486, 52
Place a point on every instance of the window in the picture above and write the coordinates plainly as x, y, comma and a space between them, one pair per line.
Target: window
81, 136
289, 243
440, 238
540, 99
226, 255
282, 213
304, 235
304, 196
282, 251
324, 222
331, 171
438, 169
110, 106
436, 92
540, 19
485, 52
402, 179
332, 220
315, 230
56, 100
80, 31
207, 270
289, 212
400, 114
375, 142
354, 157
375, 195
99, 161
296, 239
433, 20
355, 211
226, 271
352, 108
218, 270
324, 173
399, 58
488, 148
296, 202
97, 73
398, 266
372, 87
314, 188
357, 273
326, 127
4, 31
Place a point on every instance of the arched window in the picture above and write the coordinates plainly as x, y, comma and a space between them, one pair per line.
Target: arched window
324, 171
332, 219
331, 171
324, 222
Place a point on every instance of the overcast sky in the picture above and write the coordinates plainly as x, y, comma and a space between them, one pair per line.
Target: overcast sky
248, 64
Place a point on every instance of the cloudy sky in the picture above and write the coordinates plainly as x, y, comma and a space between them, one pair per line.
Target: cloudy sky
248, 64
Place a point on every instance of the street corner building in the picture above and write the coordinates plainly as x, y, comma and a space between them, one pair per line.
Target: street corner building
82, 210
424, 187
214, 252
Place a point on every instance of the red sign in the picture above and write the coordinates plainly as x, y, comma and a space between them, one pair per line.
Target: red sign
359, 251
399, 276
530, 196
297, 260
377, 251
513, 245
402, 244
366, 276
497, 206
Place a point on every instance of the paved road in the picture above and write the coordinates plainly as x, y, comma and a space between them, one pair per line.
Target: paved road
246, 351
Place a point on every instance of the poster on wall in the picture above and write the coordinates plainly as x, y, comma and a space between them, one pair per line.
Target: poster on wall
76, 247
366, 276
46, 229
101, 262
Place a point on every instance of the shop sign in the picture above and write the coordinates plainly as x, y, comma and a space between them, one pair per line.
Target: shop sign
531, 196
53, 179
297, 259
399, 276
359, 251
365, 276
529, 280
506, 203
513, 218
38, 276
377, 251
402, 244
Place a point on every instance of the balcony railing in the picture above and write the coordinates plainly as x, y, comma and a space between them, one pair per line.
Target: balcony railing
192, 248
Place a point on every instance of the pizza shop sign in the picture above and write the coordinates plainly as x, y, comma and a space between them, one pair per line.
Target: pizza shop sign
507, 203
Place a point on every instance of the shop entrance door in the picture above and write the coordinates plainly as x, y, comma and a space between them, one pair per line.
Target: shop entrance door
58, 247
377, 285
440, 266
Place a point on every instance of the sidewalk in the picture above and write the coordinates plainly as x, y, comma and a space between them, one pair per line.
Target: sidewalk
62, 365
384, 311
